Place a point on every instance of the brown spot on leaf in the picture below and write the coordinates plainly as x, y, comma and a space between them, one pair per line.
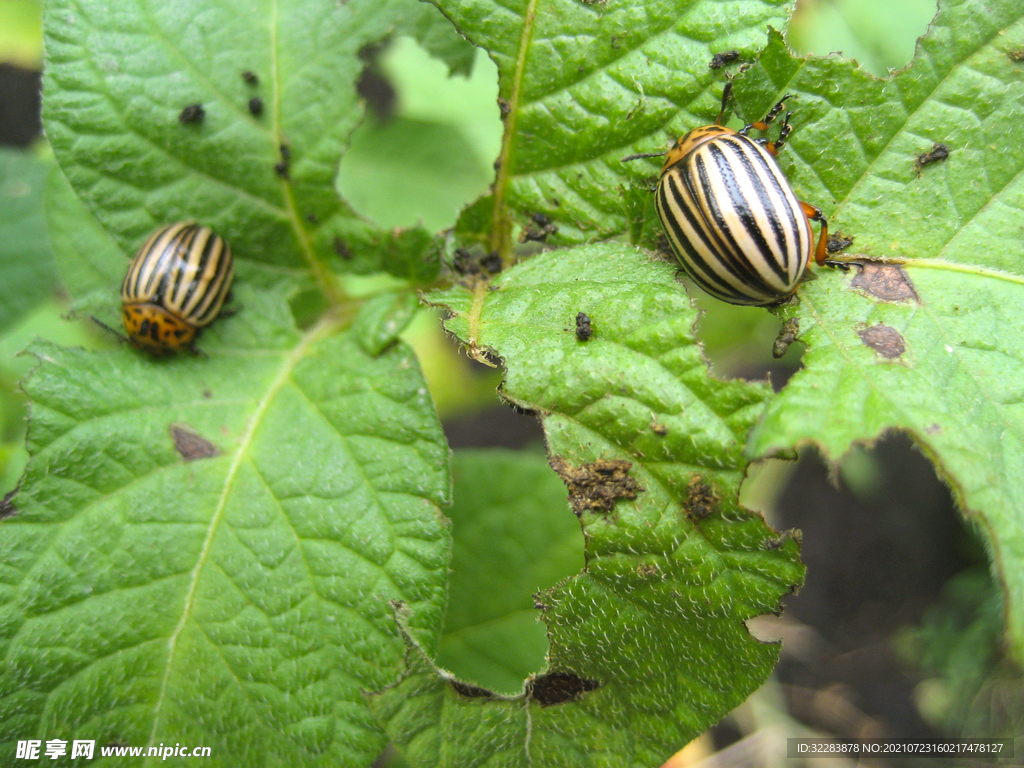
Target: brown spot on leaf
558, 687
645, 570
787, 335
884, 339
341, 249
659, 429
887, 282
191, 445
1015, 55
701, 499
596, 485
471, 691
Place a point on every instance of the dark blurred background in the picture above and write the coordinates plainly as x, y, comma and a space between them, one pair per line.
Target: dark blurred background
897, 629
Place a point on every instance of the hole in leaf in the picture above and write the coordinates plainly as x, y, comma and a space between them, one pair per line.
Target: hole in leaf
879, 34
434, 154
558, 687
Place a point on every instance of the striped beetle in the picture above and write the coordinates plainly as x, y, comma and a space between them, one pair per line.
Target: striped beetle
175, 286
731, 217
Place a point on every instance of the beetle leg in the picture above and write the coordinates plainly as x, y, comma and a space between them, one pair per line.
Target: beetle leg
762, 125
814, 214
773, 147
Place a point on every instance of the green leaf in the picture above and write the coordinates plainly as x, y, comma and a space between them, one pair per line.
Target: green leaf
929, 338
648, 642
438, 37
117, 80
586, 83
88, 259
382, 319
27, 275
205, 547
513, 534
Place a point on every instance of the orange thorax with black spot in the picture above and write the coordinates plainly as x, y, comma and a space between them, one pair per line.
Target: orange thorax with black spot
154, 329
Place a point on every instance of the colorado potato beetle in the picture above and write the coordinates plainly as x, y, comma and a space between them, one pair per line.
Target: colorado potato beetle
175, 287
731, 216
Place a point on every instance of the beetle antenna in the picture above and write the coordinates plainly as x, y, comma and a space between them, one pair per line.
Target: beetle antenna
123, 339
642, 155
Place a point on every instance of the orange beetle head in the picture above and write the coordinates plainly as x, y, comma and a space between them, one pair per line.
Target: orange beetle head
691, 141
153, 329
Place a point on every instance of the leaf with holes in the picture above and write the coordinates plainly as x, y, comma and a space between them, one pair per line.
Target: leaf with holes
152, 121
648, 642
204, 549
925, 333
586, 83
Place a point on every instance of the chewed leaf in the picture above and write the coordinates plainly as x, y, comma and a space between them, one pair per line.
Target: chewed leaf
648, 645
924, 333
150, 112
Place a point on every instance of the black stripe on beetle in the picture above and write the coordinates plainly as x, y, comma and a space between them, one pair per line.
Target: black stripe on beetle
731, 217
175, 286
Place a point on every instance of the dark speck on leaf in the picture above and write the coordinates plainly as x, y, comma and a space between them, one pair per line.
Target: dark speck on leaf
584, 327
341, 249
937, 153
193, 113
250, 77
701, 499
837, 241
719, 60
7, 508
545, 228
256, 106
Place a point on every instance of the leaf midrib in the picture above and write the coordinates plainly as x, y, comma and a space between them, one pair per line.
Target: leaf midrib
322, 329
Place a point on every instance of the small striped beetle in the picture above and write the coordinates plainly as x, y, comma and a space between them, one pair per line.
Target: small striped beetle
175, 287
731, 216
